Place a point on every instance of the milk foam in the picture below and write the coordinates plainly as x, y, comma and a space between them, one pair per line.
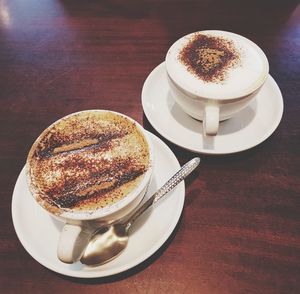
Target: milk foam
240, 80
101, 177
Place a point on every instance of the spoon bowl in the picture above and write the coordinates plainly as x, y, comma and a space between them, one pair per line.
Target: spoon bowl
108, 242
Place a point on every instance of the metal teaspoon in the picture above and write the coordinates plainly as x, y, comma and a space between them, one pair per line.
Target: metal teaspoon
108, 242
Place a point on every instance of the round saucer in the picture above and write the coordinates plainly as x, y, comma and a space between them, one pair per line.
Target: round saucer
39, 232
247, 129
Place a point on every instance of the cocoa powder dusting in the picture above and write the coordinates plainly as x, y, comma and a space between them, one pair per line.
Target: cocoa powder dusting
87, 161
209, 58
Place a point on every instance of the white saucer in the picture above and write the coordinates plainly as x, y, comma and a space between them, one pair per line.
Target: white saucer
247, 129
39, 232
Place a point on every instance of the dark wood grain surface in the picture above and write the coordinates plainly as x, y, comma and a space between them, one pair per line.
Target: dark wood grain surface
240, 229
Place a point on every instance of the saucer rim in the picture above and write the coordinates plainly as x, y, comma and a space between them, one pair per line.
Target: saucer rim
276, 121
96, 272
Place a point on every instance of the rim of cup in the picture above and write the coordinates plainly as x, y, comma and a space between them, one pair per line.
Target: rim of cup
109, 209
198, 92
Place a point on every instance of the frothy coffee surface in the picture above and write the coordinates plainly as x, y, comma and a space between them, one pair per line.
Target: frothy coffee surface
216, 64
87, 161
209, 58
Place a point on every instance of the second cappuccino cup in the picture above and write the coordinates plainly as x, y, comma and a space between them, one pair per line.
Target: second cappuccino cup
214, 74
89, 169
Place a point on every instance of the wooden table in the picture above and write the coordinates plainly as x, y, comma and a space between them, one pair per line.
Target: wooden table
240, 228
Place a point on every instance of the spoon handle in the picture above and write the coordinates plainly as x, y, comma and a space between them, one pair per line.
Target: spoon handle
167, 187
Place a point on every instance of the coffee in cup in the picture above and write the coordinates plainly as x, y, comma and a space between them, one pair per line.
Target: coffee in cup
215, 74
89, 168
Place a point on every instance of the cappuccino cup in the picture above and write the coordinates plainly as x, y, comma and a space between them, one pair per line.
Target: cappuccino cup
214, 74
89, 169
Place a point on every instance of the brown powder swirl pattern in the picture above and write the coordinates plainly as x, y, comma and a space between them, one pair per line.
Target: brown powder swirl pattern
209, 57
87, 161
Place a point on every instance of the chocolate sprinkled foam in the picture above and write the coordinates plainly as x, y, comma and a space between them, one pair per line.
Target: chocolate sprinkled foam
87, 161
209, 57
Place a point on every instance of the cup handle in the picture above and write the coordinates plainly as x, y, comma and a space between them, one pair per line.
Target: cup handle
211, 119
72, 242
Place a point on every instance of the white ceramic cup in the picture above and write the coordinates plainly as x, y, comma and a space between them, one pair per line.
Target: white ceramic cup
217, 100
79, 227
